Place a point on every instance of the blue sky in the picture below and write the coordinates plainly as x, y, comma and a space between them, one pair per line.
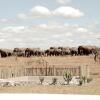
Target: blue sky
10, 8
80, 18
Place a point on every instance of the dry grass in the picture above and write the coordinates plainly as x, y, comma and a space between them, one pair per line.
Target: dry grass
59, 61
91, 88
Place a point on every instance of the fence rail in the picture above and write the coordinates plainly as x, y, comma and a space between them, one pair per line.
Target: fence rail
51, 71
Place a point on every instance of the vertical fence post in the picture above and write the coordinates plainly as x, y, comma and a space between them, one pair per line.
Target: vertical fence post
87, 71
46, 68
53, 70
80, 71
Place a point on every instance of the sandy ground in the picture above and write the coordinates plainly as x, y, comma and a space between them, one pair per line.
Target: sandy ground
91, 88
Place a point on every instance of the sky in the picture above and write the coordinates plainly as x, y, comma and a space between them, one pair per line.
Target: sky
45, 23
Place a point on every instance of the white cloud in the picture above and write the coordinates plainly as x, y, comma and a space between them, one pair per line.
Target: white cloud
2, 40
68, 12
1, 33
45, 35
95, 26
37, 11
4, 20
22, 16
82, 29
41, 11
71, 26
7, 21
63, 2
68, 34
13, 29
43, 26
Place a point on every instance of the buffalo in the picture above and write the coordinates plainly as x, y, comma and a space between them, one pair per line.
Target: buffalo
54, 51
20, 52
5, 53
73, 51
65, 51
86, 50
33, 52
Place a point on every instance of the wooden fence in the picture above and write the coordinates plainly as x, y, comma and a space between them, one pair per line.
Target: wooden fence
48, 71
41, 68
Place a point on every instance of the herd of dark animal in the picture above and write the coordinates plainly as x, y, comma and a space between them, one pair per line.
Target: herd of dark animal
52, 51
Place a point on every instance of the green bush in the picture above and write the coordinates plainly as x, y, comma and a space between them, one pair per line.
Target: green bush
41, 80
80, 82
84, 79
54, 81
67, 77
89, 80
